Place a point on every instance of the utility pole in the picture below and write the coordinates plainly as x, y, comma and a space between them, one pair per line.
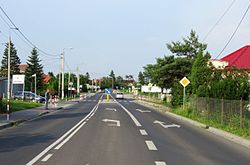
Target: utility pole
8, 88
59, 84
78, 82
62, 70
69, 85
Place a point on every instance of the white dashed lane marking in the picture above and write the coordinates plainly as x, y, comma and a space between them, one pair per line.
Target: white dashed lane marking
46, 158
151, 146
143, 132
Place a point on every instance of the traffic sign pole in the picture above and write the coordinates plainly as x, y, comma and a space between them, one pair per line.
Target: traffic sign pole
184, 82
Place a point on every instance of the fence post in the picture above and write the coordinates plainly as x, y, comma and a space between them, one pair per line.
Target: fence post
222, 110
241, 113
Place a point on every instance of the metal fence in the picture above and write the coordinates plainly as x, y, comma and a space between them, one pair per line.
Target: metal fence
233, 114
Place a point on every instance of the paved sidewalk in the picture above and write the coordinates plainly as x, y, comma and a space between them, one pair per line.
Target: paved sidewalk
25, 115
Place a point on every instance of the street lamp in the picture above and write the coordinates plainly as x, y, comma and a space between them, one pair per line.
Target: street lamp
62, 58
34, 75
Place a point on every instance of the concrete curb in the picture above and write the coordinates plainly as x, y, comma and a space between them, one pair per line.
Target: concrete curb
17, 122
218, 132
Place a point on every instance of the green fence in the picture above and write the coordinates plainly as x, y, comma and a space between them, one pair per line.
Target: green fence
233, 115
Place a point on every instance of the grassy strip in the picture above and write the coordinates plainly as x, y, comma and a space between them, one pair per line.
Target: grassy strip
17, 105
212, 121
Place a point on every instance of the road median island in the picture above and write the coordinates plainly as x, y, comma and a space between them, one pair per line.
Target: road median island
217, 131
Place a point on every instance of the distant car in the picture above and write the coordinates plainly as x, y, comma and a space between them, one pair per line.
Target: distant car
119, 96
40, 99
28, 96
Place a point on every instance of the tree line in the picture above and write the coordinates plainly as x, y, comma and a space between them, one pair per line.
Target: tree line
190, 59
35, 67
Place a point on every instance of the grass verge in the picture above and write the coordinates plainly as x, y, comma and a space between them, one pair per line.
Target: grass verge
212, 122
18, 105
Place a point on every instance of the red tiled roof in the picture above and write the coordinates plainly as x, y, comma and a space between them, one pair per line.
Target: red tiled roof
46, 78
23, 67
239, 59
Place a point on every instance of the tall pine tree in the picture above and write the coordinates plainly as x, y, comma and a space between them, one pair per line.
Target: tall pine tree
34, 67
14, 61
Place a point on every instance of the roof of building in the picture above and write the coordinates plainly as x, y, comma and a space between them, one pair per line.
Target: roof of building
23, 67
46, 78
239, 59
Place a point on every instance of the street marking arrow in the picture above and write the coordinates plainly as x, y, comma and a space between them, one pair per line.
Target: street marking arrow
167, 125
111, 109
142, 111
115, 123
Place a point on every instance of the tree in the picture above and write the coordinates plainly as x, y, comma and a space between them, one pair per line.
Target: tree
14, 61
200, 73
112, 76
141, 78
189, 47
34, 67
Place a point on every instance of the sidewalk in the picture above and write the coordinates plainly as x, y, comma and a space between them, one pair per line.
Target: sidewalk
25, 115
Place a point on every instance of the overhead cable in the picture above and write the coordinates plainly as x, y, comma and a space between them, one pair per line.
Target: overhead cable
22, 34
219, 20
244, 15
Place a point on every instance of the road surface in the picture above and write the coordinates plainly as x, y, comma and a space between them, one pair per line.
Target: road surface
118, 132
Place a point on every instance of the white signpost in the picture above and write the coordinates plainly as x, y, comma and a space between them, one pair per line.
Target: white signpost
18, 80
184, 82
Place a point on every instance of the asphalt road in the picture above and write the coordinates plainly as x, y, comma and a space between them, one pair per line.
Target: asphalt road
118, 132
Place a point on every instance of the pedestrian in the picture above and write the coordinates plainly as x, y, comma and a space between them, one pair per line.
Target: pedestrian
47, 99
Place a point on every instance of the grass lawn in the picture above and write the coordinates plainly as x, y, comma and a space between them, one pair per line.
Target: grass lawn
17, 105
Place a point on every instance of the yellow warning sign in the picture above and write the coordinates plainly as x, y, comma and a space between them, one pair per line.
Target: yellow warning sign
184, 81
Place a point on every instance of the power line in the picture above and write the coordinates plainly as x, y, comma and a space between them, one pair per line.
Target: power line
22, 34
213, 27
244, 15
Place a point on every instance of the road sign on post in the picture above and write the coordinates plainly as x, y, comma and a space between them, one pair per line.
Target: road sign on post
107, 91
184, 82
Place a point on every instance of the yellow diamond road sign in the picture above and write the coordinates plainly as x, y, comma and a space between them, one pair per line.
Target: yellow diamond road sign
184, 81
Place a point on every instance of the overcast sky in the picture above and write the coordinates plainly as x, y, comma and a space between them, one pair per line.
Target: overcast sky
123, 35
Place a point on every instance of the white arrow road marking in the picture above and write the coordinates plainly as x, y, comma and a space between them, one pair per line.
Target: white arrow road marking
142, 111
167, 125
111, 109
160, 163
116, 122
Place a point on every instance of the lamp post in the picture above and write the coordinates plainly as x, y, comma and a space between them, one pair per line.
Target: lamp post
34, 75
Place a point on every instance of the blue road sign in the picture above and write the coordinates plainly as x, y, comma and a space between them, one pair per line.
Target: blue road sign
107, 91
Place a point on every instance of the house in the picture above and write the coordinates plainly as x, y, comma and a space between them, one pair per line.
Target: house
239, 59
23, 68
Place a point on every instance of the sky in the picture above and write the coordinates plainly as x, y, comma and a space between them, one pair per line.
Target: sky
119, 35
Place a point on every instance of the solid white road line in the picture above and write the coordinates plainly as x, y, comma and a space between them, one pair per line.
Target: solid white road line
137, 123
160, 163
143, 132
151, 146
35, 159
46, 158
70, 136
